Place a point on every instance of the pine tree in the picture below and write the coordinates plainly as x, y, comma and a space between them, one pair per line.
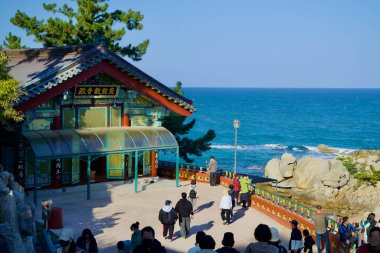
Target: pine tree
9, 93
13, 42
89, 23
177, 126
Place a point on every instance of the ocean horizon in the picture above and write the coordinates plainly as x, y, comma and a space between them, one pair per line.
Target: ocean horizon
274, 121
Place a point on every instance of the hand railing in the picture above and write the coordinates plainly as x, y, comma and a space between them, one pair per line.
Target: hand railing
295, 207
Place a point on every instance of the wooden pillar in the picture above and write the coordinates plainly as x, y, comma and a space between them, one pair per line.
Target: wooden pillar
153, 169
124, 120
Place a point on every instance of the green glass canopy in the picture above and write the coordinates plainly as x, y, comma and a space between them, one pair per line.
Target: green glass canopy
98, 141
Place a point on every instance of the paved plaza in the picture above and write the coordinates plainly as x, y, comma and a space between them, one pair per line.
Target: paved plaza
114, 207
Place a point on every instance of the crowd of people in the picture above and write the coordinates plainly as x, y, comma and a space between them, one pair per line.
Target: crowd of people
267, 238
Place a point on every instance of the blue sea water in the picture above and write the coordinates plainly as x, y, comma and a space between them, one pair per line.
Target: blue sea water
275, 121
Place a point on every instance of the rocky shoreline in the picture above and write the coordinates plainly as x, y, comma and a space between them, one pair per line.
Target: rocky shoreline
345, 185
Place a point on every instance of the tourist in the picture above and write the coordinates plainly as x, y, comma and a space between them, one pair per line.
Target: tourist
193, 193
225, 207
308, 242
231, 192
213, 167
228, 243
263, 236
198, 238
276, 240
124, 246
149, 244
168, 218
374, 242
207, 244
347, 233
295, 242
136, 237
367, 225
185, 212
321, 223
67, 242
244, 191
237, 188
86, 242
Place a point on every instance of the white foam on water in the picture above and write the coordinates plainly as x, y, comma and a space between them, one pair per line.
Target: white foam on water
254, 167
276, 146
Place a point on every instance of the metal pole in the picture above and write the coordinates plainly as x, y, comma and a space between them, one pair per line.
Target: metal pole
235, 149
88, 177
136, 168
35, 181
177, 168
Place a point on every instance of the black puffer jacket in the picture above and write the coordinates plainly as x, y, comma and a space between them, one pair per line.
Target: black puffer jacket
150, 246
184, 208
167, 215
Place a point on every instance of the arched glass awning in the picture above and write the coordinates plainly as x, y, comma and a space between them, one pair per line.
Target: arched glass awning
98, 141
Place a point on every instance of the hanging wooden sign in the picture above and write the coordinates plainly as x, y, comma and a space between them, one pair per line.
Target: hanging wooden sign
96, 91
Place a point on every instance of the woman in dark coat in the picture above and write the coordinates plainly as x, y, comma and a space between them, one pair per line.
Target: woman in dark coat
87, 242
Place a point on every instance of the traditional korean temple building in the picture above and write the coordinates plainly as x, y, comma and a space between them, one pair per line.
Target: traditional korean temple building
89, 114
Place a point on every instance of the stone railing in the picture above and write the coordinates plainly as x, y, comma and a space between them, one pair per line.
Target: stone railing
274, 206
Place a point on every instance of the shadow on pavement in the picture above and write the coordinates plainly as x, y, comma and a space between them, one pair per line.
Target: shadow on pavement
202, 227
239, 214
204, 206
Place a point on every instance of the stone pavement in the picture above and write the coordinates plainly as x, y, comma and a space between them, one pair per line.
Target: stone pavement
114, 207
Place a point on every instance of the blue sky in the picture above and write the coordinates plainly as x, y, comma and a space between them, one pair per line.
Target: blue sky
249, 43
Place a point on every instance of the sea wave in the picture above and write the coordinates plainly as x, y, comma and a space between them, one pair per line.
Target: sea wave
254, 167
271, 146
232, 146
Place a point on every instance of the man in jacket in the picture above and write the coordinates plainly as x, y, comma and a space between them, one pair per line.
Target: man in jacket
149, 243
320, 222
225, 207
184, 208
213, 166
168, 217
374, 242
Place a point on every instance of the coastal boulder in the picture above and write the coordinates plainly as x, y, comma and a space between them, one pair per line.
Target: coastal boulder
325, 149
272, 170
335, 179
308, 172
287, 165
287, 184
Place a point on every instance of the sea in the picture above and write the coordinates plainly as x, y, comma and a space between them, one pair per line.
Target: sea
278, 121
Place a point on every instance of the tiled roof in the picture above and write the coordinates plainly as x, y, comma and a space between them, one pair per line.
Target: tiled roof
39, 70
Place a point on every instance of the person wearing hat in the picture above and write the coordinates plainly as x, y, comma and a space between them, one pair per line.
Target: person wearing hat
168, 218
67, 242
295, 242
228, 243
276, 241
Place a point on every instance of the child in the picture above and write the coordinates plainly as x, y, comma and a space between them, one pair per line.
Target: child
193, 193
309, 242
295, 242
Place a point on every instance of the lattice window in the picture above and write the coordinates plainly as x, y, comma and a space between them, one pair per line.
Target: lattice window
93, 117
115, 116
68, 118
116, 161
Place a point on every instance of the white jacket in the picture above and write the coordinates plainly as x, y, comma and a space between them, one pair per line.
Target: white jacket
226, 202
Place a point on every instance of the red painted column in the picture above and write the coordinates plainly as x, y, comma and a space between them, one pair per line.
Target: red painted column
153, 169
125, 120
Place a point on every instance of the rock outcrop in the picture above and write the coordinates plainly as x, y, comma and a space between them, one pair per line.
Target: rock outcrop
17, 221
314, 180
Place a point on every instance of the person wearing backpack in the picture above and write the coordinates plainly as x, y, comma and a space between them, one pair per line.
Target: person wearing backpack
276, 240
193, 193
168, 217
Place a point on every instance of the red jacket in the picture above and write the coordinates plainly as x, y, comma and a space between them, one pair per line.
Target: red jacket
365, 249
236, 184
